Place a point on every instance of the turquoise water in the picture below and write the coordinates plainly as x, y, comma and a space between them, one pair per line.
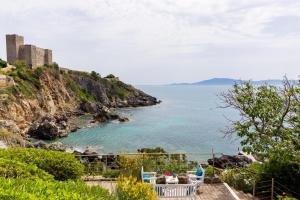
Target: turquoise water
187, 120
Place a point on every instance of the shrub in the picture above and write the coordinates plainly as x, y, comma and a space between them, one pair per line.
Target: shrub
61, 165
210, 171
110, 76
112, 173
82, 94
3, 63
25, 189
13, 169
96, 76
243, 178
131, 189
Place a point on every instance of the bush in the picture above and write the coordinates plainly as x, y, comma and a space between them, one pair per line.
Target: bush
96, 76
243, 178
210, 171
3, 63
131, 189
61, 165
14, 169
25, 189
113, 173
82, 94
110, 76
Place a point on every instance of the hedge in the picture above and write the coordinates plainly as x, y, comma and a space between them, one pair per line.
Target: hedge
26, 189
61, 165
14, 169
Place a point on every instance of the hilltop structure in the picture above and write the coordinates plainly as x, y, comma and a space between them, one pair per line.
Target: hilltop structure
31, 54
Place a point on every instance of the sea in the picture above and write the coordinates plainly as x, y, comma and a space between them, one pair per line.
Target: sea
190, 119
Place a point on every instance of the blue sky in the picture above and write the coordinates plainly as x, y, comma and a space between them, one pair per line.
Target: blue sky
163, 41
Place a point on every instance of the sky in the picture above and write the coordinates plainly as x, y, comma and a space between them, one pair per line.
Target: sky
162, 41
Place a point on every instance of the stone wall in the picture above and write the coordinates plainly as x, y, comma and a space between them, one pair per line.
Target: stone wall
48, 57
13, 44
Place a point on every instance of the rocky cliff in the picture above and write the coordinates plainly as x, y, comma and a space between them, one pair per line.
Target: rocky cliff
42, 100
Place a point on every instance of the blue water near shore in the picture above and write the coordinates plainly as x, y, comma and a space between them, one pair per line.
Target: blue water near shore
188, 120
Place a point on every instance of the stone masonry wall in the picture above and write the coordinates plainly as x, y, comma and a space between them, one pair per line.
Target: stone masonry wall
13, 44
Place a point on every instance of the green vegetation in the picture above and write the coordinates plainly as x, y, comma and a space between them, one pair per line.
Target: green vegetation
28, 81
270, 128
243, 178
16, 169
26, 189
152, 150
131, 189
112, 173
61, 165
3, 63
96, 76
110, 76
31, 173
82, 94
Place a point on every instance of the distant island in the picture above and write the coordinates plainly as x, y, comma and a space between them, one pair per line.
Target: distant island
229, 81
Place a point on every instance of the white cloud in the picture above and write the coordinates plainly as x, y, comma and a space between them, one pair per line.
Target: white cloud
162, 36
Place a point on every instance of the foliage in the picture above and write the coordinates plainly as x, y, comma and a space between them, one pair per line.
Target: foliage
131, 165
28, 81
131, 189
152, 150
96, 76
210, 171
286, 198
112, 173
82, 94
11, 139
25, 189
3, 63
242, 178
14, 169
61, 165
270, 127
287, 174
110, 76
269, 115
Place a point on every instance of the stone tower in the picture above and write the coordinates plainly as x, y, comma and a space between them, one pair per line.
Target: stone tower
32, 55
13, 44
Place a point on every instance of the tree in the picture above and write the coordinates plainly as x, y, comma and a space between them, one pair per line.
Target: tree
95, 75
270, 118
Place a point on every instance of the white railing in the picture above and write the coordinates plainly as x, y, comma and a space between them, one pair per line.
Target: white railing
176, 190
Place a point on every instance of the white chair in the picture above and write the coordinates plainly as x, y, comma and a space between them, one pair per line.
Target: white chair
194, 178
148, 177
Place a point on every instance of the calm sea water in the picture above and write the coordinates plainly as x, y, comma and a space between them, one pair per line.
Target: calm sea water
187, 120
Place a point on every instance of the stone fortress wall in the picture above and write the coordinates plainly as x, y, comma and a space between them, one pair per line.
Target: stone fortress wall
31, 54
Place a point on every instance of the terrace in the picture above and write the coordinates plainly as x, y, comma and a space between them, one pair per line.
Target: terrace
172, 176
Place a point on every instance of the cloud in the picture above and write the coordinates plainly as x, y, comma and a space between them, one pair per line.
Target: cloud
184, 38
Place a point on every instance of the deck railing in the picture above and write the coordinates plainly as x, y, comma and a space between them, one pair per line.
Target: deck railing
175, 190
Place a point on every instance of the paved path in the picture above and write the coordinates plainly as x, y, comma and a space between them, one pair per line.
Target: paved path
207, 191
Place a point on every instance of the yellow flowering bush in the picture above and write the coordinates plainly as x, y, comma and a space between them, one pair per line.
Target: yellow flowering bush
131, 189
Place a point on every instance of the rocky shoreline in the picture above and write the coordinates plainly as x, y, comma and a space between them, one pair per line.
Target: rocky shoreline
54, 96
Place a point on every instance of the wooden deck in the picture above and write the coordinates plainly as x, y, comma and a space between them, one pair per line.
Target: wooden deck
207, 191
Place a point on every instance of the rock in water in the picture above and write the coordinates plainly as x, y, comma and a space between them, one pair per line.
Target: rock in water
227, 160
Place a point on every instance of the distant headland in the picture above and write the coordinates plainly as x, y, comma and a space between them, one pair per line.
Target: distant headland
230, 81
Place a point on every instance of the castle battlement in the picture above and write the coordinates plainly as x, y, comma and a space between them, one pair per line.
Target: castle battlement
32, 55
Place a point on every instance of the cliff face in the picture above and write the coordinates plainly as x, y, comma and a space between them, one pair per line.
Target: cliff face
49, 96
